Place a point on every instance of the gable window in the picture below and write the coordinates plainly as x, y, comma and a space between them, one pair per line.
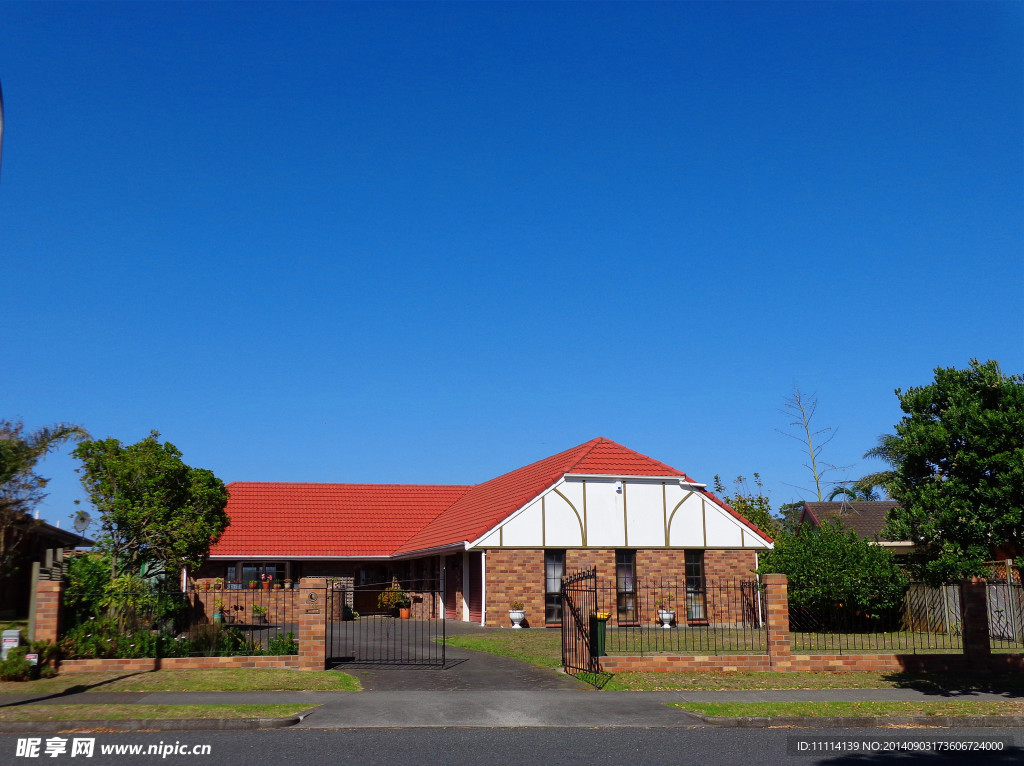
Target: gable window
695, 602
554, 570
625, 585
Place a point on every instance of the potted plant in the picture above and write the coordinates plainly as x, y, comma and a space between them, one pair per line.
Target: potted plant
287, 584
517, 613
253, 585
666, 613
268, 580
259, 614
229, 614
218, 583
394, 599
206, 585
218, 611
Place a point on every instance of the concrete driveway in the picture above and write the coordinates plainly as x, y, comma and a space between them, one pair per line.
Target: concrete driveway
464, 670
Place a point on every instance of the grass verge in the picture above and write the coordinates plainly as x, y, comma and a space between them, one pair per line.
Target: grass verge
543, 648
145, 712
873, 709
227, 680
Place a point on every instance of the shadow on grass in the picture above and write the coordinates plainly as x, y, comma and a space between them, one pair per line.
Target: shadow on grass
960, 684
76, 689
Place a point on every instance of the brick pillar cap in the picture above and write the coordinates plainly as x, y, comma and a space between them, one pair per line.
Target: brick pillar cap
977, 580
775, 578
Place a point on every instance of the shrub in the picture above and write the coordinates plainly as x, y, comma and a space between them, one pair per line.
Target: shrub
16, 667
831, 569
285, 644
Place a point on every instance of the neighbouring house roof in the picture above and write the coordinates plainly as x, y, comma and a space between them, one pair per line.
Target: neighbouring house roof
383, 520
865, 517
50, 536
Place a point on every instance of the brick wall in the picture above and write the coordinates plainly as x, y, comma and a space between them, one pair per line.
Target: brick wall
515, 575
48, 603
146, 664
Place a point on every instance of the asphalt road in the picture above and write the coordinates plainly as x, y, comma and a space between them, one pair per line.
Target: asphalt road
542, 747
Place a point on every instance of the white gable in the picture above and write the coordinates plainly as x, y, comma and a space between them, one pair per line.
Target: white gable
633, 512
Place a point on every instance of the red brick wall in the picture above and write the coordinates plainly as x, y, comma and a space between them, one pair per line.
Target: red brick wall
515, 575
146, 664
519, 574
48, 602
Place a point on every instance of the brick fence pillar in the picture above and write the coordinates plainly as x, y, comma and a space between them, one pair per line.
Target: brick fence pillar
974, 620
313, 609
46, 625
780, 652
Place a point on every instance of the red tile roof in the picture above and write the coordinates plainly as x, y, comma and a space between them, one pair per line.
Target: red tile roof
285, 520
277, 519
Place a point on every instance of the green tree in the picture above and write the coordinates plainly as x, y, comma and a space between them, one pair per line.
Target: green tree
832, 567
958, 470
21, 488
157, 514
753, 504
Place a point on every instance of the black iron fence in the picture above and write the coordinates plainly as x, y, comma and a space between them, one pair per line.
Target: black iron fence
582, 624
926, 620
387, 623
650, 616
151, 622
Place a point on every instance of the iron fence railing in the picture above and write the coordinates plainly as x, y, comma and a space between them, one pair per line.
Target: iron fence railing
388, 623
170, 623
926, 620
651, 616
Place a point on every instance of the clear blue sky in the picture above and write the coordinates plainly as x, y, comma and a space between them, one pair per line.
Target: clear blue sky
434, 242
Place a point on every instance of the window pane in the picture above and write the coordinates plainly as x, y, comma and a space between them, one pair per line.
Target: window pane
554, 570
625, 585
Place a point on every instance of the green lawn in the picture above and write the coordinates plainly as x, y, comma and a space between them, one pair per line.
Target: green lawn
819, 709
145, 712
233, 680
543, 648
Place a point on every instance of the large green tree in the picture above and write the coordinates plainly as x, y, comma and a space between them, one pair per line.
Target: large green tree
157, 513
958, 470
21, 488
832, 568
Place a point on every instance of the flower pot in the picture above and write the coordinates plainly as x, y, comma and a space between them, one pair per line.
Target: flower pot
404, 612
667, 617
517, 616
287, 586
266, 586
217, 617
228, 618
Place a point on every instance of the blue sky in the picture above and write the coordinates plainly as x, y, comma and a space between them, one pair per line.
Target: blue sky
432, 243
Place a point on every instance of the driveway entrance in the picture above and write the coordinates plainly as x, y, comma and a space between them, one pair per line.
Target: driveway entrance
463, 670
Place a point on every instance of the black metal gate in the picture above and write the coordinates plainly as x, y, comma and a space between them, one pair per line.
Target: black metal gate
389, 623
580, 653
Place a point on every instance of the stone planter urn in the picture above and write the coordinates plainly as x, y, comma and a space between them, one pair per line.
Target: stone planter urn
667, 617
517, 616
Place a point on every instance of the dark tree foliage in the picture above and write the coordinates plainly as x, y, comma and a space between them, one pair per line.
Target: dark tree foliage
958, 470
157, 513
21, 488
831, 567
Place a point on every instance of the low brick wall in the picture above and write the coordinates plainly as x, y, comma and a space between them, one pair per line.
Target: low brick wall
830, 663
677, 663
146, 664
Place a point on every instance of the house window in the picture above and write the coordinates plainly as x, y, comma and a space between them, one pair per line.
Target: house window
554, 570
255, 570
625, 585
695, 602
